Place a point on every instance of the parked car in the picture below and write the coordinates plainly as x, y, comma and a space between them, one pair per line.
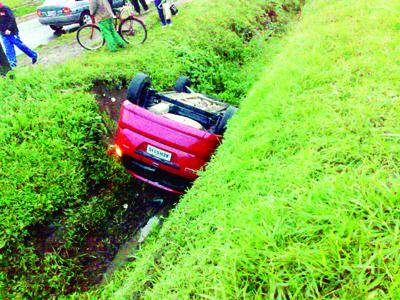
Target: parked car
164, 139
59, 13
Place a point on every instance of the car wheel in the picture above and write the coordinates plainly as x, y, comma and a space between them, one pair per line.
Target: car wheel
221, 124
56, 27
138, 88
182, 84
85, 18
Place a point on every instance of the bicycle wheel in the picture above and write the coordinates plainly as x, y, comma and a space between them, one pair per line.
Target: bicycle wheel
133, 31
127, 10
90, 37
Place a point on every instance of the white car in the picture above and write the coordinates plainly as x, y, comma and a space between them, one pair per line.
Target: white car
59, 13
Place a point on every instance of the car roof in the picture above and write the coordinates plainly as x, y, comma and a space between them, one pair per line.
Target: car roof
59, 2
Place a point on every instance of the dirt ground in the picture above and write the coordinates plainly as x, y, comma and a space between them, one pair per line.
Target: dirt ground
56, 52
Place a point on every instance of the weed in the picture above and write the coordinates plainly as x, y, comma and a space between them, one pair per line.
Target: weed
301, 200
55, 174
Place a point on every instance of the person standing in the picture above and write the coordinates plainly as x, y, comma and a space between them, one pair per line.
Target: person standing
163, 12
137, 6
10, 37
4, 63
102, 11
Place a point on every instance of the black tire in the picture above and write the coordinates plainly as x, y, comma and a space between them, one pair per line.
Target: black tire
56, 27
85, 18
138, 88
182, 84
221, 125
89, 37
133, 31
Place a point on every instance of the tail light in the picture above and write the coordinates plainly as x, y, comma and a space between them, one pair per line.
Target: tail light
66, 11
39, 13
118, 151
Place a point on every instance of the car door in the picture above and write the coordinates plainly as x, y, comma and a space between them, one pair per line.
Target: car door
118, 3
82, 5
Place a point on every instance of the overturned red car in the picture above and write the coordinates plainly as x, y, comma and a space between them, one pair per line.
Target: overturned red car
164, 139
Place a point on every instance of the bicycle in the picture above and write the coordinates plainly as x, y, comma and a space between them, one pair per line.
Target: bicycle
131, 29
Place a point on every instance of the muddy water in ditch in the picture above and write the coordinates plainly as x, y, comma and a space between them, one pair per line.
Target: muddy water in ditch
103, 249
109, 100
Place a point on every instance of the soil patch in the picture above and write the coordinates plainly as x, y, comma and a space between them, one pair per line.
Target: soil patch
109, 99
93, 255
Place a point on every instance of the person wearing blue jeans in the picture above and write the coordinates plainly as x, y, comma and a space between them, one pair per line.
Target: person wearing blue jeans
10, 37
162, 6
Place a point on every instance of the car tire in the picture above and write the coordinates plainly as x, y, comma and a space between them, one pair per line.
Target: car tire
221, 124
182, 84
56, 27
138, 88
85, 18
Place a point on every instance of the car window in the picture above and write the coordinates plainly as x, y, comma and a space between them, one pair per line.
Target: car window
54, 2
118, 3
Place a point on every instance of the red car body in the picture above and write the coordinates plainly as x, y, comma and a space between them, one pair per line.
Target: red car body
164, 139
160, 151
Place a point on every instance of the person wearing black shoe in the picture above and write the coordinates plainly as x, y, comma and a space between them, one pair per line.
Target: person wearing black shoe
164, 12
137, 6
4, 64
10, 36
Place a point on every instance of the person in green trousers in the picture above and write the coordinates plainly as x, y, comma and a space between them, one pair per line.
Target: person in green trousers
102, 11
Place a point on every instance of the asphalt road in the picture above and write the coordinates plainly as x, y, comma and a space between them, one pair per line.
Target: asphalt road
34, 34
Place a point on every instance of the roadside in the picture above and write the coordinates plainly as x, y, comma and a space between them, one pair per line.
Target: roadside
60, 49
24, 9
57, 51
25, 18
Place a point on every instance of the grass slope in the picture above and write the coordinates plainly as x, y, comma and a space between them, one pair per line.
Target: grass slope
54, 171
23, 7
302, 198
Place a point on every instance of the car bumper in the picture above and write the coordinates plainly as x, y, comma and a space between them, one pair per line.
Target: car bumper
183, 164
60, 20
156, 177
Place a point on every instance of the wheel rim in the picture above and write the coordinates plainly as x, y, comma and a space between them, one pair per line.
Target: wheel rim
87, 19
90, 38
133, 32
126, 12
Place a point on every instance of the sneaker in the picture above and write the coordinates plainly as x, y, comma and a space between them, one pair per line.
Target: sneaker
35, 59
170, 24
146, 11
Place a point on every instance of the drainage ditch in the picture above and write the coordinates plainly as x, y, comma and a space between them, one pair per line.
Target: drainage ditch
79, 246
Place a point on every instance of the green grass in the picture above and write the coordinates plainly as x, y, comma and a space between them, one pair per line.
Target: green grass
25, 10
302, 199
14, 3
54, 170
23, 7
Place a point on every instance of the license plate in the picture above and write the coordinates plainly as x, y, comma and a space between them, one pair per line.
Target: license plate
159, 153
51, 13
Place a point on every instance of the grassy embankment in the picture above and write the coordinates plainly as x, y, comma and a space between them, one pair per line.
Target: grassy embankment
23, 7
302, 199
57, 186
